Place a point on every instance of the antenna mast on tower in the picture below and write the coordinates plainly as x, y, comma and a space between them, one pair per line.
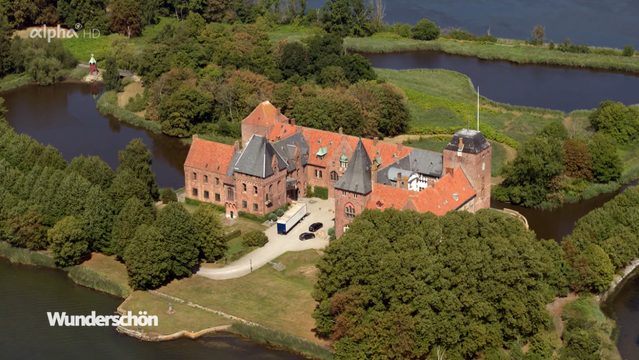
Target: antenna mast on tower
477, 108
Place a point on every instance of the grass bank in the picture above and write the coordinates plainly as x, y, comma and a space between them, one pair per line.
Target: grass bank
24, 256
13, 81
107, 104
508, 50
91, 278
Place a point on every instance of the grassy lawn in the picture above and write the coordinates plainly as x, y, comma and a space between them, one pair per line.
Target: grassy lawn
184, 318
292, 32
109, 266
278, 300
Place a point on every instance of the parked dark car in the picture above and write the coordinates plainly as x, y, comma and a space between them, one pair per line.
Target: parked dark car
307, 236
315, 226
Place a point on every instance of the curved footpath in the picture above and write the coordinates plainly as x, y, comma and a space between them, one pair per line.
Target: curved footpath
320, 211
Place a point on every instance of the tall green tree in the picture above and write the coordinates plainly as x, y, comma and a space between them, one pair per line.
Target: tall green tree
126, 17
126, 186
425, 30
132, 215
111, 76
93, 169
181, 238
148, 260
98, 220
137, 158
293, 60
606, 163
68, 242
616, 120
211, 235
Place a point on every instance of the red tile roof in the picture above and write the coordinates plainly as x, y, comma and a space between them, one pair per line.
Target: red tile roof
265, 114
449, 193
280, 131
389, 153
210, 156
319, 139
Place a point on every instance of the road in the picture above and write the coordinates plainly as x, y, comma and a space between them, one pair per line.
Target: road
321, 211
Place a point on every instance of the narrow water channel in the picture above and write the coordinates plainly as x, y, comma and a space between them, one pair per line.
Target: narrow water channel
29, 292
550, 87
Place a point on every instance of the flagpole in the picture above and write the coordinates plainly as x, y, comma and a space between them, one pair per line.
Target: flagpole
477, 108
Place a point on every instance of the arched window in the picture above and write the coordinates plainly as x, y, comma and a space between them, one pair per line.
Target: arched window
350, 210
334, 176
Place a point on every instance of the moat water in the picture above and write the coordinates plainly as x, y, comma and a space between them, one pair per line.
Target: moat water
64, 116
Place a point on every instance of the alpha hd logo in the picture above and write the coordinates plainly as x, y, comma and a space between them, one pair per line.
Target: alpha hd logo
128, 319
60, 33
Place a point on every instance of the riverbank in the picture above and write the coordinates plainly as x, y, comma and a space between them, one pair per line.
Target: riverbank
514, 51
269, 306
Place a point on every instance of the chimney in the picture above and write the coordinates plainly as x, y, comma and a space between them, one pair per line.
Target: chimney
375, 140
292, 122
448, 170
461, 144
194, 137
405, 182
236, 145
340, 130
374, 174
398, 181
400, 147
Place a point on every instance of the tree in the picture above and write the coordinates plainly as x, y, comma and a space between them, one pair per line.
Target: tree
148, 261
254, 238
577, 162
629, 50
68, 243
27, 230
293, 60
98, 220
606, 163
111, 76
538, 35
211, 236
44, 70
402, 284
93, 169
357, 68
84, 12
181, 238
137, 158
6, 65
168, 195
126, 17
555, 130
613, 118
132, 215
183, 109
126, 186
425, 30
347, 17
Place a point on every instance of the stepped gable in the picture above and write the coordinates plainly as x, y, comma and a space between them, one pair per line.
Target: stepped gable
265, 114
357, 178
286, 148
210, 156
321, 142
468, 141
256, 158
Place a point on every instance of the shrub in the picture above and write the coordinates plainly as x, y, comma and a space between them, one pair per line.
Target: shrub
425, 30
233, 234
167, 196
551, 45
254, 238
252, 217
629, 50
279, 212
309, 191
567, 46
404, 31
321, 192
272, 217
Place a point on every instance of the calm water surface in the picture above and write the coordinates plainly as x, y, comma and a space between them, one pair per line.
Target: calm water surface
551, 87
28, 293
64, 115
611, 23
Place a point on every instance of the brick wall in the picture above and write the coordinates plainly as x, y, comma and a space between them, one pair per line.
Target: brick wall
341, 201
478, 169
207, 183
249, 130
277, 184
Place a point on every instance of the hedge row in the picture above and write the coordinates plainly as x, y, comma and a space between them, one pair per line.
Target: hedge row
195, 202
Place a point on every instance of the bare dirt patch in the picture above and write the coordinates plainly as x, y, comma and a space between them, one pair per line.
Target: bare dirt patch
555, 309
130, 91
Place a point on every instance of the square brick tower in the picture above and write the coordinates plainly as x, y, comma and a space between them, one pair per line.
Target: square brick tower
353, 189
470, 150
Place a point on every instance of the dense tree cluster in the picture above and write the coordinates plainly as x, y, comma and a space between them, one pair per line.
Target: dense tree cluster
400, 285
549, 166
616, 120
76, 208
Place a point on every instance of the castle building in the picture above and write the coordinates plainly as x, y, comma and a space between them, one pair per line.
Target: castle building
279, 161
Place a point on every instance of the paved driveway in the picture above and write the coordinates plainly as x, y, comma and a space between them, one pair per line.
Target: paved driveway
321, 211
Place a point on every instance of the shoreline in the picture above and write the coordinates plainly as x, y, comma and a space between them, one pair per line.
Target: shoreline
516, 53
152, 337
618, 281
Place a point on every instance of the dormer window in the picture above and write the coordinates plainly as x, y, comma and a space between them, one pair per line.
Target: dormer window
343, 161
321, 153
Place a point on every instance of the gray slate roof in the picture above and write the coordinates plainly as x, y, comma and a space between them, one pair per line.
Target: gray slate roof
256, 158
229, 171
473, 141
419, 161
357, 177
286, 149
